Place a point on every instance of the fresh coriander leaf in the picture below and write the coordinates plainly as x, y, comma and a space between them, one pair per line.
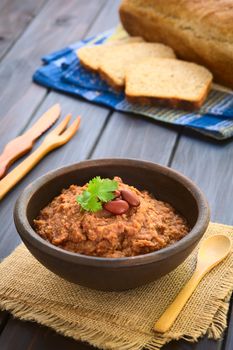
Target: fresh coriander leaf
85, 196
102, 188
93, 185
94, 204
98, 190
83, 199
88, 202
106, 196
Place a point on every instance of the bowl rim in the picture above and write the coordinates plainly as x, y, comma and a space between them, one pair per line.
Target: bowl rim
29, 235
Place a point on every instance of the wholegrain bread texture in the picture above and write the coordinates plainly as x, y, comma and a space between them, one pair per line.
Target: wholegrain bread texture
168, 82
114, 63
89, 56
198, 31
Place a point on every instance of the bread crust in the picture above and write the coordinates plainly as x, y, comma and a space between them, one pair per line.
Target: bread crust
169, 102
110, 81
198, 31
87, 66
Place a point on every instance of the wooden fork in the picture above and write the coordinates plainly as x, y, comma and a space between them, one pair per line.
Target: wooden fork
54, 139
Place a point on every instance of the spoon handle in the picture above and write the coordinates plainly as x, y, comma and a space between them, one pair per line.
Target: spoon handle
167, 319
11, 179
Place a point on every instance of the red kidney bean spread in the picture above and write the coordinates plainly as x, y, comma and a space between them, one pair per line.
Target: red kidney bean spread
149, 226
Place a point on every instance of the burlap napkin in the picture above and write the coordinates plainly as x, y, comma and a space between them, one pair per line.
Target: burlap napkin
117, 320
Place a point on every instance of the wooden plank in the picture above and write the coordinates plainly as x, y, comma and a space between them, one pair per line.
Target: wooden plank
15, 15
32, 336
202, 344
129, 136
58, 24
209, 164
3, 319
107, 18
37, 337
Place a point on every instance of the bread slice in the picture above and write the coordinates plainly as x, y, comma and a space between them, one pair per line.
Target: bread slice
89, 56
113, 64
168, 82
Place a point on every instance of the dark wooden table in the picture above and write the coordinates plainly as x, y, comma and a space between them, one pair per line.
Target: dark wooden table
28, 30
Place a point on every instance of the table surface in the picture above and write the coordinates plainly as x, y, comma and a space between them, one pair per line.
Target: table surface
28, 30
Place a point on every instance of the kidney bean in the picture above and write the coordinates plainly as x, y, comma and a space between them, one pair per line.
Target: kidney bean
130, 197
117, 193
117, 207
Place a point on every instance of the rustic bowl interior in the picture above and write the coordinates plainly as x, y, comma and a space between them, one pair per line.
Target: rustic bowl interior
163, 187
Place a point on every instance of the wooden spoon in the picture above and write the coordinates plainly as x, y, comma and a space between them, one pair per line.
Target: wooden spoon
211, 252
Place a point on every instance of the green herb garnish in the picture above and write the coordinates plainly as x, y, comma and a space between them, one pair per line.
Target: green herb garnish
98, 191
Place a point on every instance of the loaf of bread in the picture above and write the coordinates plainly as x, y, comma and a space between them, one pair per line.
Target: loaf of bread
198, 31
167, 82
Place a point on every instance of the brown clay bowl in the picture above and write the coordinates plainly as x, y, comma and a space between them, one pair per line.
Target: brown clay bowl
113, 274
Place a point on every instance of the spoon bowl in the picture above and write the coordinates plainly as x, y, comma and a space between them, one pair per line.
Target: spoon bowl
213, 250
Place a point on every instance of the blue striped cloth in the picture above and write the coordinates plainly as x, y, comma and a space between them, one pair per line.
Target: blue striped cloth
62, 71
